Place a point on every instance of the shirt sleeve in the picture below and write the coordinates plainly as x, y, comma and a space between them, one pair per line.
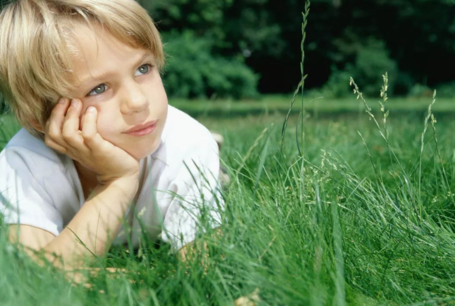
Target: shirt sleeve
197, 196
23, 199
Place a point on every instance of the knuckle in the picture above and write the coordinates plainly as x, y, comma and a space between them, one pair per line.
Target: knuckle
89, 136
52, 134
48, 141
70, 138
67, 135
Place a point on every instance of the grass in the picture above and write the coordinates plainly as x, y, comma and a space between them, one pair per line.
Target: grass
8, 127
314, 106
367, 222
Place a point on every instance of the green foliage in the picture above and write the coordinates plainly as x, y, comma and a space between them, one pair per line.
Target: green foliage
338, 85
204, 17
370, 58
419, 90
219, 21
193, 71
8, 127
244, 30
205, 59
446, 90
418, 36
404, 83
411, 40
370, 61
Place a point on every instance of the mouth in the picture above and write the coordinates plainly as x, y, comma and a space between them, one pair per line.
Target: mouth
142, 129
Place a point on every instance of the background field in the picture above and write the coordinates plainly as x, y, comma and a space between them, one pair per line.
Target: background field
356, 222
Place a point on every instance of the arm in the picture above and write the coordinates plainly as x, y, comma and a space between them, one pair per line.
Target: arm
97, 223
91, 231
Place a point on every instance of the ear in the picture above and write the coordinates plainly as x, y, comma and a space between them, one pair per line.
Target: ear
37, 126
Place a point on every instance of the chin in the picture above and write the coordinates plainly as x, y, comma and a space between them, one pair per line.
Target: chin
140, 153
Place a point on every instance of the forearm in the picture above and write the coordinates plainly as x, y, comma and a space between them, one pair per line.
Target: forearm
94, 227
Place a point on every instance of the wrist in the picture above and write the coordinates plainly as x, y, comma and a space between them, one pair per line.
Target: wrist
125, 178
124, 187
130, 182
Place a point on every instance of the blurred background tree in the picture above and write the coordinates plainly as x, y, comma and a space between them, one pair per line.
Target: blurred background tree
414, 40
242, 48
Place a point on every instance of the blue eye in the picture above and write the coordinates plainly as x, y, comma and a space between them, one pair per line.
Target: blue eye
144, 69
98, 90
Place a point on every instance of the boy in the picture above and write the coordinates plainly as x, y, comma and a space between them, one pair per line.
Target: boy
100, 143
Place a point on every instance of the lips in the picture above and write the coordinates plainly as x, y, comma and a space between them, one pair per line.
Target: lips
142, 129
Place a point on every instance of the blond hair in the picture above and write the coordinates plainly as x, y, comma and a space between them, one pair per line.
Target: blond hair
35, 48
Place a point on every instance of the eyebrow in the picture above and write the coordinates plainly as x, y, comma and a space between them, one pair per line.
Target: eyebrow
104, 75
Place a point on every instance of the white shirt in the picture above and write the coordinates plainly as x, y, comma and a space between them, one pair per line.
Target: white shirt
41, 188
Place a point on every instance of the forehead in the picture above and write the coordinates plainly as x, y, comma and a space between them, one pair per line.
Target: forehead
90, 45
95, 53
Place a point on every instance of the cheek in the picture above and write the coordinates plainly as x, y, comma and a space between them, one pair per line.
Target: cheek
107, 126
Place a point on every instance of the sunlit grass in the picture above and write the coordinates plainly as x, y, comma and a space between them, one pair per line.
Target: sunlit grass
386, 237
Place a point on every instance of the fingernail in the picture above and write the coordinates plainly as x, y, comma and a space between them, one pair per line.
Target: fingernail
62, 101
91, 109
74, 103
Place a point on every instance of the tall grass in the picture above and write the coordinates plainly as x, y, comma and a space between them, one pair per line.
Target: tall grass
342, 237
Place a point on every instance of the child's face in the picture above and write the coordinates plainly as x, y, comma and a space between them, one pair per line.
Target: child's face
124, 85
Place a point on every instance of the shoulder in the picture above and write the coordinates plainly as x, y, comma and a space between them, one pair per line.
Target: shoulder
36, 185
26, 151
185, 142
184, 132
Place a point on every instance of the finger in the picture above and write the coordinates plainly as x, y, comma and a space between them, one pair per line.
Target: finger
70, 126
54, 124
54, 145
89, 128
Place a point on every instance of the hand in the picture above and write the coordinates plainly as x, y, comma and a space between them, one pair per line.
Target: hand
69, 133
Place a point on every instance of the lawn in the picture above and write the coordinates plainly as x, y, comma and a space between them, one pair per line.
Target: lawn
315, 105
360, 219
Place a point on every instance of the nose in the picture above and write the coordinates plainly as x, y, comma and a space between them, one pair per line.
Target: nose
134, 99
